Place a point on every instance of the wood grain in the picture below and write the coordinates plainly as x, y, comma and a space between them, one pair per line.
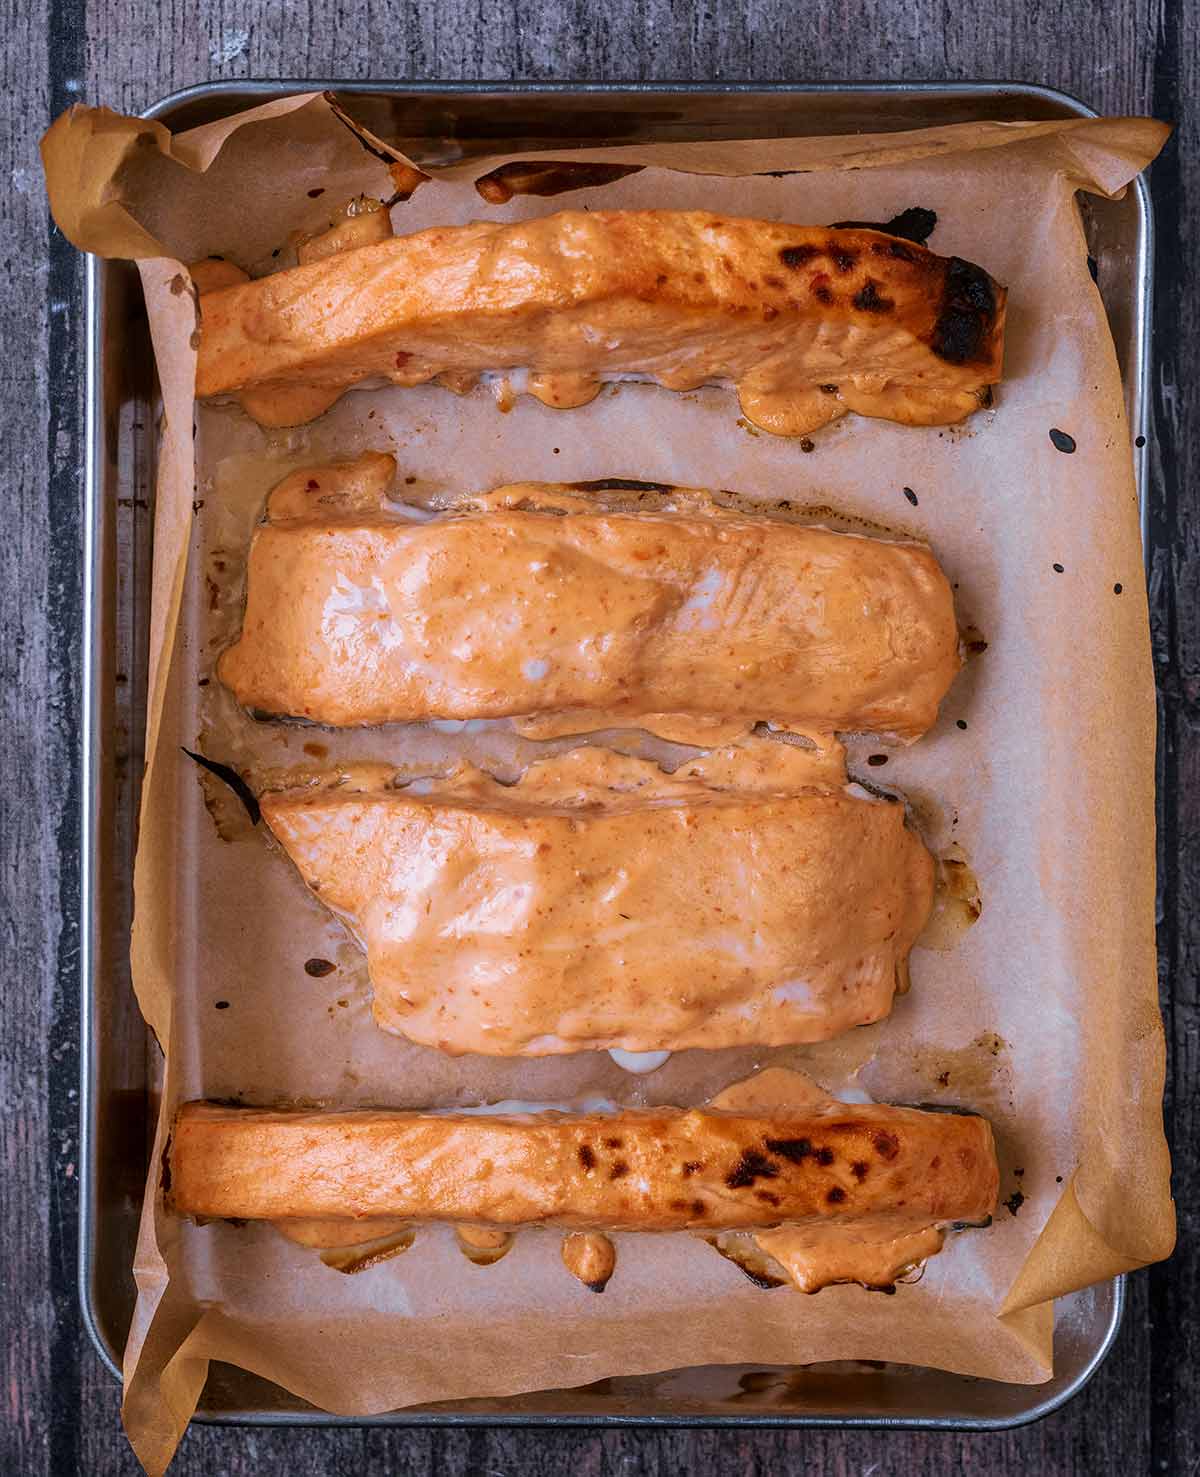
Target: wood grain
58, 1406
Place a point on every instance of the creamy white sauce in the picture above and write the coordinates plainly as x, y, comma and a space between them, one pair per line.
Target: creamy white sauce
744, 950
849, 1094
793, 992
465, 725
497, 913
535, 670
510, 1107
348, 606
696, 612
539, 1044
347, 601
638, 1061
410, 512
515, 380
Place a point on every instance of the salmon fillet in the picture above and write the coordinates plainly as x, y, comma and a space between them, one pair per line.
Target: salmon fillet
657, 1169
806, 322
539, 603
752, 898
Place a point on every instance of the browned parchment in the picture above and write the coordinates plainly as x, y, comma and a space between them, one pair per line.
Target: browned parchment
1043, 1015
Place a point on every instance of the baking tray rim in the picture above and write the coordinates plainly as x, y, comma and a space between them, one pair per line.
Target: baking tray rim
262, 88
758, 1420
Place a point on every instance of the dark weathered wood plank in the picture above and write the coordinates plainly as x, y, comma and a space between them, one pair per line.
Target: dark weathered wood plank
58, 1407
39, 575
1176, 626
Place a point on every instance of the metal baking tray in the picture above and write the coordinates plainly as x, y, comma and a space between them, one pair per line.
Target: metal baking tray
120, 1062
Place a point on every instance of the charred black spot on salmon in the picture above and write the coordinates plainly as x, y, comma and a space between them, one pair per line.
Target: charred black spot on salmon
1062, 442
844, 260
825, 1157
964, 326
547, 177
319, 968
699, 1209
828, 389
750, 1167
677, 1204
766, 1197
868, 300
620, 484
690, 1167
235, 782
796, 256
887, 1145
796, 1150
859, 1169
1014, 1202
586, 1157
836, 1195
914, 224
619, 1170
896, 250
614, 1143
823, 295
661, 280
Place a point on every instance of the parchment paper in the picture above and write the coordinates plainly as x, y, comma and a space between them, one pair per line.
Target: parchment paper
1039, 774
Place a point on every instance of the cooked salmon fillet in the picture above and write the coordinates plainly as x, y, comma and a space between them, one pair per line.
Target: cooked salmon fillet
540, 603
657, 1169
807, 322
751, 898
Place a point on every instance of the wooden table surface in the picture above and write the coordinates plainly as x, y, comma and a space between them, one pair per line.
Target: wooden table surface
58, 1406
